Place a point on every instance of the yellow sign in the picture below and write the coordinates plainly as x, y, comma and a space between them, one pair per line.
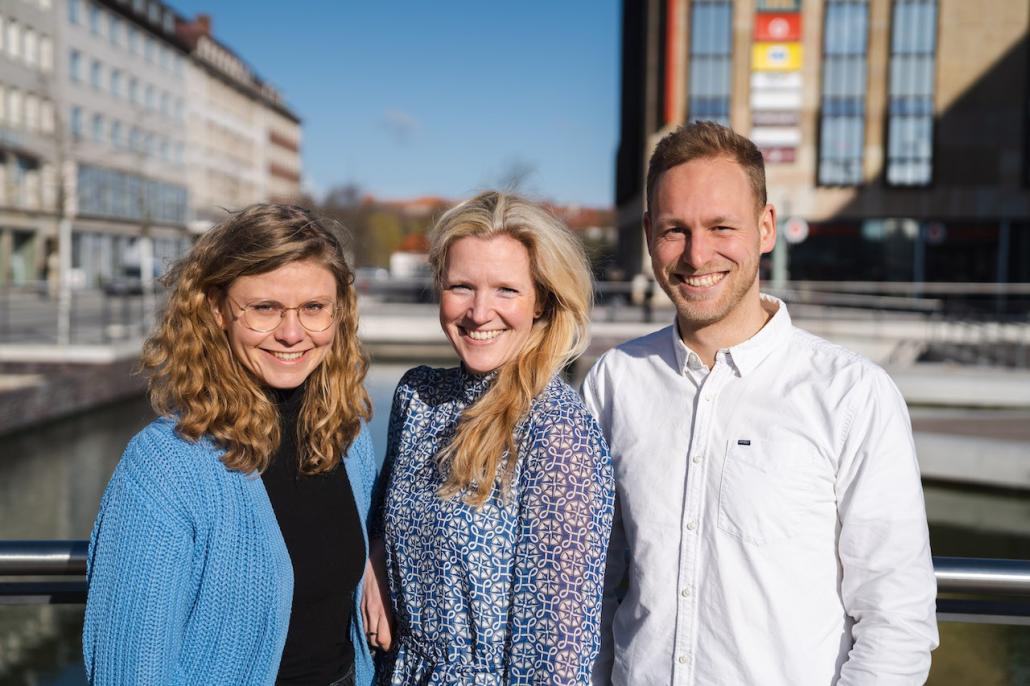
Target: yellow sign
776, 56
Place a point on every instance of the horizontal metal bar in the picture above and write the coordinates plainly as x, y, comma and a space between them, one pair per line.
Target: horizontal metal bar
982, 575
43, 592
23, 558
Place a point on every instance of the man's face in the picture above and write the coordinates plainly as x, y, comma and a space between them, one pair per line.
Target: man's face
706, 235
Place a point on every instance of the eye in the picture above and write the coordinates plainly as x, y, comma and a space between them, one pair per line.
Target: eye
265, 307
315, 307
508, 291
459, 288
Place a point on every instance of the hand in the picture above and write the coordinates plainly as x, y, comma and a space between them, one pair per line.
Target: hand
375, 601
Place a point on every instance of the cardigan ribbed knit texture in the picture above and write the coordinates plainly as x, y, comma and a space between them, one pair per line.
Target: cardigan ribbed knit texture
189, 579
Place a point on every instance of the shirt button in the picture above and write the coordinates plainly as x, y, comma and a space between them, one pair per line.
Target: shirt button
684, 659
708, 397
685, 593
691, 525
697, 459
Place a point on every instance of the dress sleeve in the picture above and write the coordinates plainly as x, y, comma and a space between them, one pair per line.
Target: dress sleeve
566, 503
139, 569
887, 583
398, 412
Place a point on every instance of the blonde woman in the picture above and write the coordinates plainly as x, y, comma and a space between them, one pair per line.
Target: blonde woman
230, 545
499, 504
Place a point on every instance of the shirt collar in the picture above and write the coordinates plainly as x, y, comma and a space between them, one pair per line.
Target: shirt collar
472, 385
747, 355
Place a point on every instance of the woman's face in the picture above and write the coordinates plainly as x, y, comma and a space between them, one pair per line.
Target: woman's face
488, 300
284, 356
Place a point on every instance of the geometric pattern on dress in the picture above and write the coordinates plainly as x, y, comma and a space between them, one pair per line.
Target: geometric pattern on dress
509, 593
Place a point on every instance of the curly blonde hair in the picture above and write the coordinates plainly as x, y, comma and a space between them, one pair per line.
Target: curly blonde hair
195, 378
484, 443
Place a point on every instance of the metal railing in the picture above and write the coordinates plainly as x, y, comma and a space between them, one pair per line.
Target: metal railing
969, 589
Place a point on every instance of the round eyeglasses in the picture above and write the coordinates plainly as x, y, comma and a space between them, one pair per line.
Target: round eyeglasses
265, 316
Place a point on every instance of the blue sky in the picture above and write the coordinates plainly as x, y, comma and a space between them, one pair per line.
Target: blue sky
445, 98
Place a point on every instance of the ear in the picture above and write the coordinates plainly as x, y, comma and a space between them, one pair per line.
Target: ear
648, 231
216, 310
767, 228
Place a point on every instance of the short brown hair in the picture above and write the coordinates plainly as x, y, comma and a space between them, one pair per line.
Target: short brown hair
701, 140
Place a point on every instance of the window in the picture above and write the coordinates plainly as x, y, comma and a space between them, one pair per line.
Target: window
148, 48
117, 135
711, 41
75, 121
3, 34
166, 104
132, 38
46, 116
75, 65
31, 112
116, 83
149, 102
73, 11
96, 74
842, 113
114, 30
46, 54
98, 128
3, 112
94, 19
13, 39
133, 90
31, 45
14, 107
913, 62
135, 139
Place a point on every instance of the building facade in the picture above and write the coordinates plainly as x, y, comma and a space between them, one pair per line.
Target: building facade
897, 130
125, 130
244, 142
28, 197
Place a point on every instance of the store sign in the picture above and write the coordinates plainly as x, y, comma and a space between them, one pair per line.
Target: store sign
776, 136
778, 27
778, 5
775, 100
795, 230
775, 80
775, 117
778, 155
776, 56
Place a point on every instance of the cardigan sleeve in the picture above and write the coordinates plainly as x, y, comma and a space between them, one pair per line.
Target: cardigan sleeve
139, 576
565, 520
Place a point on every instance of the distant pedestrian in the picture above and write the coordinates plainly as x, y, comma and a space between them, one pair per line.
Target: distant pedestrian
230, 546
500, 496
770, 522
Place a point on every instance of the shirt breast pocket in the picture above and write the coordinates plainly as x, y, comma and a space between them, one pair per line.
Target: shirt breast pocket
771, 491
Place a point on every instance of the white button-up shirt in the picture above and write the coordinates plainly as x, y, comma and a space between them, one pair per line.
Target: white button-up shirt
770, 520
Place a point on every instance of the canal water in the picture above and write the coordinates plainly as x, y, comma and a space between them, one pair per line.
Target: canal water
51, 479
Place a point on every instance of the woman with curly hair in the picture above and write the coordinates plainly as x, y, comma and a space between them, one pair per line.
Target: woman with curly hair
499, 504
230, 545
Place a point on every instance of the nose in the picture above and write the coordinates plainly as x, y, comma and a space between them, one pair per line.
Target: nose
698, 250
481, 308
290, 332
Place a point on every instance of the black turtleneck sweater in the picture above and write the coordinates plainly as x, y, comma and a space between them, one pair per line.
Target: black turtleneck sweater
320, 525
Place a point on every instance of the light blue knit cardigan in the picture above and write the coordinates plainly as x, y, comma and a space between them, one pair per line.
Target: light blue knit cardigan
189, 578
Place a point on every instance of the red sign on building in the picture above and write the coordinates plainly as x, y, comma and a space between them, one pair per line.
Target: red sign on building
778, 27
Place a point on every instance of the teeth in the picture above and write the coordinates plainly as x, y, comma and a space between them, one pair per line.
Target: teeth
703, 281
484, 335
287, 357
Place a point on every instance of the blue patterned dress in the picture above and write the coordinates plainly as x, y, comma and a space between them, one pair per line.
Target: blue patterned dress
509, 593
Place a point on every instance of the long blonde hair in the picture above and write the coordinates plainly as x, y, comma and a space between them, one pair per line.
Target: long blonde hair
194, 376
564, 290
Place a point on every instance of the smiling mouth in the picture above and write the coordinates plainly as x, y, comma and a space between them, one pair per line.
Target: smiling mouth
702, 280
482, 335
286, 357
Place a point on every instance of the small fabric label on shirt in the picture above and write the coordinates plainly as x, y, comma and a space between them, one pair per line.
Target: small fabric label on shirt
743, 441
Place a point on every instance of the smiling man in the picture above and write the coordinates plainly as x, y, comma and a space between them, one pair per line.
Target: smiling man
770, 526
